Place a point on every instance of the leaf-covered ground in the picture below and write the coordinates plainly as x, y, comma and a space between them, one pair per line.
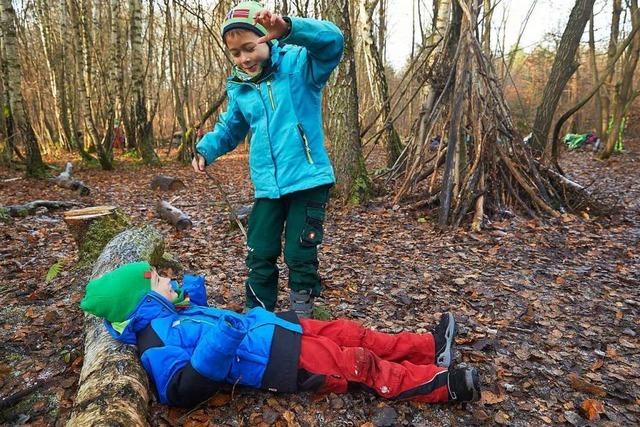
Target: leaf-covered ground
549, 310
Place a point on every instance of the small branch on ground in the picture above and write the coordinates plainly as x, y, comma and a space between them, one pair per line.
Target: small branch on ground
173, 216
66, 180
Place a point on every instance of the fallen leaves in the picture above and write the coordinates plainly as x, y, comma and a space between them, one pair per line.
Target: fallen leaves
219, 399
535, 299
502, 418
491, 398
592, 409
585, 386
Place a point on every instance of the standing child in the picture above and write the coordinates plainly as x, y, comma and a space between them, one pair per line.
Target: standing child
191, 350
281, 67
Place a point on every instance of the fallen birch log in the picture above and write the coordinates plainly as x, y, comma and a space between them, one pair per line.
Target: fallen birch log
65, 180
113, 386
166, 183
173, 216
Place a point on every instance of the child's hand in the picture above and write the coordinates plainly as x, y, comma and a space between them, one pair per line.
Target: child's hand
198, 163
275, 25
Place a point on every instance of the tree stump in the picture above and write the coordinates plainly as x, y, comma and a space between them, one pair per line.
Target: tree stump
113, 386
166, 183
173, 216
92, 228
65, 180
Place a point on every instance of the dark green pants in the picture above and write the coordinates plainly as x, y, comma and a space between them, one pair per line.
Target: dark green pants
301, 216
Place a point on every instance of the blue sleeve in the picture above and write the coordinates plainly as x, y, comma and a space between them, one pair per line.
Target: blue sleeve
323, 43
230, 129
194, 286
180, 379
162, 364
216, 349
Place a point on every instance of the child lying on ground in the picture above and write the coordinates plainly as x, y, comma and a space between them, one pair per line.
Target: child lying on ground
191, 350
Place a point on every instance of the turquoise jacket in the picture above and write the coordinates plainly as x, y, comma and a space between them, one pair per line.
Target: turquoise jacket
283, 111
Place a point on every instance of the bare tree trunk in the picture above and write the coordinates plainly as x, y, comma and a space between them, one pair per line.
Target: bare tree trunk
70, 41
595, 79
441, 20
175, 78
455, 145
378, 81
574, 124
624, 88
343, 125
84, 75
563, 68
382, 29
486, 31
613, 43
596, 87
143, 127
8, 129
24, 131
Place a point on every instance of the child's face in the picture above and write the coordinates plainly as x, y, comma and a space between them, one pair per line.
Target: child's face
246, 53
162, 285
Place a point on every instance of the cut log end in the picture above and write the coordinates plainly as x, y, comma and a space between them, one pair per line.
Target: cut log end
93, 227
88, 213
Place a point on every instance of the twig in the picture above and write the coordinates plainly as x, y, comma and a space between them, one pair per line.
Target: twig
229, 206
9, 401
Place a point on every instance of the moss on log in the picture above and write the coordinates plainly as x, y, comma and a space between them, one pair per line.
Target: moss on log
92, 228
4, 216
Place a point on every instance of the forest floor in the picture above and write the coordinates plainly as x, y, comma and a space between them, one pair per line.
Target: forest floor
549, 310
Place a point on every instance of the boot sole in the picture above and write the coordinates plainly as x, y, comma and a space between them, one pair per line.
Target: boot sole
446, 357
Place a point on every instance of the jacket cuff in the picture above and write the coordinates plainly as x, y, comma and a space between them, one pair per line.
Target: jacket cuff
288, 21
288, 38
204, 156
232, 327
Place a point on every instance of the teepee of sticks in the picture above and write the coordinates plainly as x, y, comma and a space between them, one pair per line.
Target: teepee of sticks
481, 165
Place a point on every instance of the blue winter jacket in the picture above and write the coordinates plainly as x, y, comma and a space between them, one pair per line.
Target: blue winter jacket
190, 353
283, 111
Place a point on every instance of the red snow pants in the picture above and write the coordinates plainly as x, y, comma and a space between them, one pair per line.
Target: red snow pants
339, 353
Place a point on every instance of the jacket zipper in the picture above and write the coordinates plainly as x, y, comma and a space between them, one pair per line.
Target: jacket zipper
271, 98
273, 159
307, 149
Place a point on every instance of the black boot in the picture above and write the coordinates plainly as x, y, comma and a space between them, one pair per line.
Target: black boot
464, 385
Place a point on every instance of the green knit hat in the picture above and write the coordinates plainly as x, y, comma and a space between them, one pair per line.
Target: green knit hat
241, 16
114, 295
